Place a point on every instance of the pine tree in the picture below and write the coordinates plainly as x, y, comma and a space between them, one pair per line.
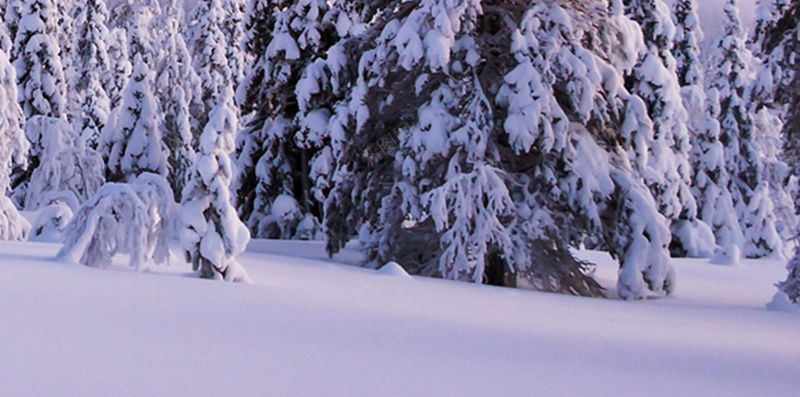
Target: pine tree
668, 171
92, 66
176, 87
13, 148
135, 144
213, 234
738, 135
284, 36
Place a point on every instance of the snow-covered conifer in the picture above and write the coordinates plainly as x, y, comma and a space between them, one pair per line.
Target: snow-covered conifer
779, 47
212, 234
429, 178
92, 68
114, 221
177, 90
284, 41
66, 163
209, 50
233, 31
739, 136
13, 149
655, 80
711, 178
134, 145
120, 68
40, 72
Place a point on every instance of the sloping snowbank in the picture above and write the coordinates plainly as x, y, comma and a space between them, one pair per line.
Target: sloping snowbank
311, 327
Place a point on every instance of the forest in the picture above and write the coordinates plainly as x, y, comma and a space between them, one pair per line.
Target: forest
470, 140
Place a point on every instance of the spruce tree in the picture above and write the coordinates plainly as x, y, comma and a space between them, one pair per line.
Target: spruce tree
779, 46
135, 143
457, 162
284, 36
711, 179
13, 148
177, 87
209, 50
212, 233
92, 66
40, 72
739, 136
668, 171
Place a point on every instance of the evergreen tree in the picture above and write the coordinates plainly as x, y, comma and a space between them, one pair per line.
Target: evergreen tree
135, 144
284, 36
40, 73
779, 46
92, 66
209, 50
13, 148
120, 67
12, 13
233, 30
450, 178
710, 188
686, 46
213, 234
668, 172
742, 152
176, 87
135, 18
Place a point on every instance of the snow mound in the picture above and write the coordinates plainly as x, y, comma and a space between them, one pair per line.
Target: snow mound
780, 303
393, 269
728, 256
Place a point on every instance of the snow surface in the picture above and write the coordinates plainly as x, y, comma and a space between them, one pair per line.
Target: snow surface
309, 326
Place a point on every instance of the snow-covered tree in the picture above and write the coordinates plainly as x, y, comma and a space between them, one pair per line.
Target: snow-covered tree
177, 89
134, 145
209, 49
686, 46
120, 67
655, 80
778, 46
135, 18
156, 195
213, 235
40, 72
12, 13
114, 221
270, 163
732, 79
710, 177
452, 172
66, 163
92, 67
233, 31
13, 149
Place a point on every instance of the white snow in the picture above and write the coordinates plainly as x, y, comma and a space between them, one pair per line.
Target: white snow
311, 326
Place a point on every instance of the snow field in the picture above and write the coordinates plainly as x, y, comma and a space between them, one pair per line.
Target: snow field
312, 326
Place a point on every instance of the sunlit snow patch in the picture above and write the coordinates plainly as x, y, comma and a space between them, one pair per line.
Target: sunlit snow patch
393, 269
